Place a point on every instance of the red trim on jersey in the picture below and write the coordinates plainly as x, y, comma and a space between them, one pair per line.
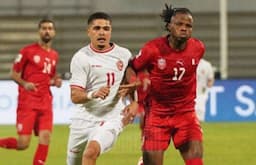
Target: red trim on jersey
103, 51
76, 86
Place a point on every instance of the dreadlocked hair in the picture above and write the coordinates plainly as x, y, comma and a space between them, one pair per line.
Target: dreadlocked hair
169, 11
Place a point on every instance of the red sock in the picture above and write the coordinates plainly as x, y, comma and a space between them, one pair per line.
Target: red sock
41, 154
9, 143
195, 161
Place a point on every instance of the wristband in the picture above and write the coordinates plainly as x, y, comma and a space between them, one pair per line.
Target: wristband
89, 95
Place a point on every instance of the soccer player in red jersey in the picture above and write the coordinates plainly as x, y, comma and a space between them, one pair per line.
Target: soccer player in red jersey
171, 62
34, 70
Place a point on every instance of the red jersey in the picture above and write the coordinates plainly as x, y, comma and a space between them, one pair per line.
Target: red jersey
142, 91
38, 66
172, 74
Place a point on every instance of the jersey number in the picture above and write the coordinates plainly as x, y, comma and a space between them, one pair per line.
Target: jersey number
110, 79
47, 68
178, 73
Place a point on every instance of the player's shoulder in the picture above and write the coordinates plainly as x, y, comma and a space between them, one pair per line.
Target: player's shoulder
82, 51
196, 43
122, 52
121, 49
29, 47
205, 62
154, 45
156, 41
79, 55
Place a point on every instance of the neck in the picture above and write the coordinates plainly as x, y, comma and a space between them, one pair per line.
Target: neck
46, 46
102, 48
177, 44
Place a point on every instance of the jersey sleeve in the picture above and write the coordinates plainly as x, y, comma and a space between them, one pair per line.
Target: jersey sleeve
79, 71
54, 71
142, 59
20, 61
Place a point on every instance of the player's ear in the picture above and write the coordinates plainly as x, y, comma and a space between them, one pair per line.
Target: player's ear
168, 26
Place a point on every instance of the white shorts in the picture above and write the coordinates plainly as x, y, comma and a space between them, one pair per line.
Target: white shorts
82, 131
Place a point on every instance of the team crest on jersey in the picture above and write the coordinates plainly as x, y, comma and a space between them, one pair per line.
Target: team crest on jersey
120, 65
161, 63
36, 58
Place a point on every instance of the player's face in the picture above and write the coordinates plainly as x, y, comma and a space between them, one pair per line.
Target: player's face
99, 32
180, 26
47, 31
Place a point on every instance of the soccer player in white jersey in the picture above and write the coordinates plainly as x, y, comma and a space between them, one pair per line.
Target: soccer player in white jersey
205, 80
97, 71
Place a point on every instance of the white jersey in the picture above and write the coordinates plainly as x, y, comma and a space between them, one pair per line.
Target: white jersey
91, 70
204, 73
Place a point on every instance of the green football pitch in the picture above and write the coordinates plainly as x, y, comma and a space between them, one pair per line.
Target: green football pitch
224, 144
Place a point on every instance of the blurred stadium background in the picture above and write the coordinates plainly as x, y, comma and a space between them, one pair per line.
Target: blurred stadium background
134, 23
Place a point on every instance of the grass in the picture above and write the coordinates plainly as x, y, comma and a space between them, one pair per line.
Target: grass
224, 144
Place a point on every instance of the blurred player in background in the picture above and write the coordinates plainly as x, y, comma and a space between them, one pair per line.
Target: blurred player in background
205, 80
171, 62
97, 70
34, 70
142, 93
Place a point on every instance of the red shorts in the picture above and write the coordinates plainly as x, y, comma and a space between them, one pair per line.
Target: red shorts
159, 130
29, 119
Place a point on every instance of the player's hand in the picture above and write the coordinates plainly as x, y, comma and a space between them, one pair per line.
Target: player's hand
58, 82
129, 113
29, 86
102, 93
146, 84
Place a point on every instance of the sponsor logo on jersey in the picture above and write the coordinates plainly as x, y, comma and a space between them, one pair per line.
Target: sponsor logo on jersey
161, 63
36, 58
120, 65
180, 62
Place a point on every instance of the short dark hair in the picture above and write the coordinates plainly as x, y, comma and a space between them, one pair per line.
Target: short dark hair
99, 15
46, 20
169, 11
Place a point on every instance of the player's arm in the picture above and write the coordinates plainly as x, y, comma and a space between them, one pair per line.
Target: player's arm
18, 69
210, 82
211, 79
127, 90
16, 76
129, 84
130, 112
80, 96
133, 82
